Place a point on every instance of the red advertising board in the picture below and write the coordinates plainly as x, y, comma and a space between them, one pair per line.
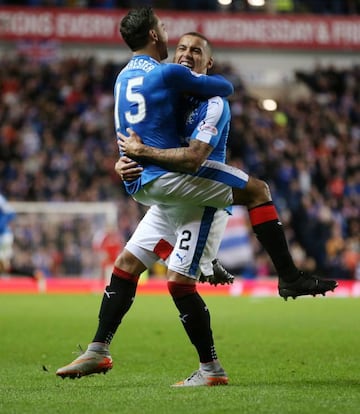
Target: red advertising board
224, 30
241, 287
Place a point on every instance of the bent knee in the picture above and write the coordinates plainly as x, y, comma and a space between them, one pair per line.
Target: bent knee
263, 190
256, 192
261, 193
128, 262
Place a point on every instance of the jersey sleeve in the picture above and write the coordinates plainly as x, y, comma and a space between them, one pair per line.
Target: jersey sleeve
212, 121
183, 79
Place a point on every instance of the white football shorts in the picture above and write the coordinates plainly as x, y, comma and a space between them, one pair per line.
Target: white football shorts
186, 237
211, 186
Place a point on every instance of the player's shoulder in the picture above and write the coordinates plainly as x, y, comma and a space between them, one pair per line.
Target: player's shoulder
216, 103
215, 107
175, 69
140, 63
217, 100
221, 102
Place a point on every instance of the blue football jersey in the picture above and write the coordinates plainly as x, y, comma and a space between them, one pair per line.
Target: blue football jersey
209, 122
149, 99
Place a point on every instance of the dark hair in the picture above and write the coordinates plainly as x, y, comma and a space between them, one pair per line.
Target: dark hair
135, 27
197, 34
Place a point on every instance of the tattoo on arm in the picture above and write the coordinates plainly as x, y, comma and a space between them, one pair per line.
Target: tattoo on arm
182, 159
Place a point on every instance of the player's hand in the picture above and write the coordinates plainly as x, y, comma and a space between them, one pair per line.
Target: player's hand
127, 169
130, 145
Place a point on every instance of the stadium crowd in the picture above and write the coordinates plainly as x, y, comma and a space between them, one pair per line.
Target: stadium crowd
57, 144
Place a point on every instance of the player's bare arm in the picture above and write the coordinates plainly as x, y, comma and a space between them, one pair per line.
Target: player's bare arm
128, 169
183, 159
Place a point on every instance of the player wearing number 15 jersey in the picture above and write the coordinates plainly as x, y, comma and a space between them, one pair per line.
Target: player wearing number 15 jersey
146, 94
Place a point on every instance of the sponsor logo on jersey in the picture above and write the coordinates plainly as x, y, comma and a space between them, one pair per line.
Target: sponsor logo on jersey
210, 129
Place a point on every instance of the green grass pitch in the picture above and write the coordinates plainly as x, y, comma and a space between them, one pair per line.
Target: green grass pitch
282, 357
